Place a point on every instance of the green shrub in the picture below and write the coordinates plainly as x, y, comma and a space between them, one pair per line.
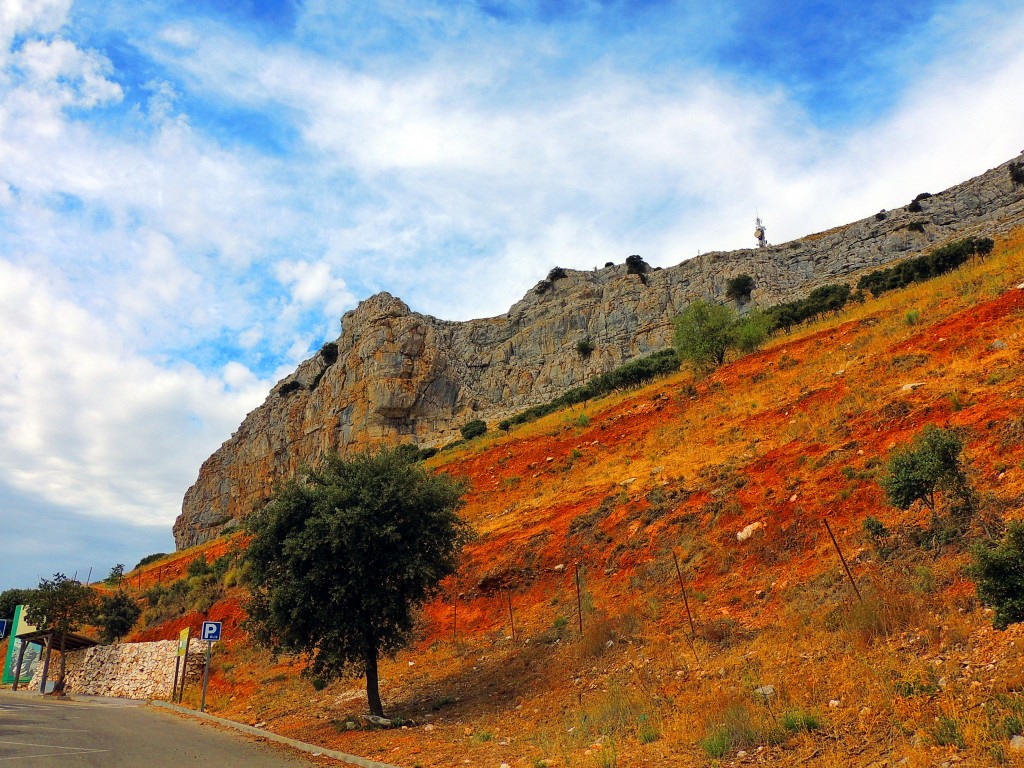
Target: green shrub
946, 733
635, 265
199, 566
931, 464
799, 721
585, 347
1017, 172
999, 576
473, 428
739, 287
149, 559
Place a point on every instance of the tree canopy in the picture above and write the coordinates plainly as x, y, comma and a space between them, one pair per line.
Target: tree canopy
340, 559
705, 332
930, 465
116, 614
999, 575
62, 605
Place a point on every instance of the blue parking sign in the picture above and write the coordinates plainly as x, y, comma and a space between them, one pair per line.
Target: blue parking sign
3, 628
211, 630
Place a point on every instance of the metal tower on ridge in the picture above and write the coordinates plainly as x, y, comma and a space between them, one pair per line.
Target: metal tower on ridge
759, 233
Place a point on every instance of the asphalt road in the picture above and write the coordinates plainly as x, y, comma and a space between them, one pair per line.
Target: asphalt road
37, 732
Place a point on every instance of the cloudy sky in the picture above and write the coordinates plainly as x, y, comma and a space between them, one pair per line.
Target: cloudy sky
193, 191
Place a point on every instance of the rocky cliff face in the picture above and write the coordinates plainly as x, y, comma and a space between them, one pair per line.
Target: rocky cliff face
398, 376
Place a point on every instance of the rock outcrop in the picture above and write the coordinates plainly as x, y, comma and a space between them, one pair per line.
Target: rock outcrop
398, 376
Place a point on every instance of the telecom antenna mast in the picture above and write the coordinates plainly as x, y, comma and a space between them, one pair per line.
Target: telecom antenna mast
759, 233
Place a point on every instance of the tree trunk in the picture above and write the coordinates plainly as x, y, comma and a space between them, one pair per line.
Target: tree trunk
372, 686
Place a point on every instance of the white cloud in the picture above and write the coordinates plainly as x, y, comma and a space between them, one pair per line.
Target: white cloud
90, 426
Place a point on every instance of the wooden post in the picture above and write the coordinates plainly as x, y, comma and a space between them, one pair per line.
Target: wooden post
21, 658
177, 667
693, 631
682, 589
579, 597
46, 662
511, 618
455, 614
842, 559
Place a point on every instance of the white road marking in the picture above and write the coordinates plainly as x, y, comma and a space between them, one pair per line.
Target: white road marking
66, 750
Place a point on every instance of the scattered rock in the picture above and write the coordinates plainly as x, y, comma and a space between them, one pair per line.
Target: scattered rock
749, 531
559, 568
833, 703
911, 386
998, 344
765, 692
628, 481
1017, 743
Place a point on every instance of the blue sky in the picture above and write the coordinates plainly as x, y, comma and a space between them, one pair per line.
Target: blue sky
192, 193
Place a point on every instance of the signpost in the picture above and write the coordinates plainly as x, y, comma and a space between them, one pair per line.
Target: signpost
182, 650
3, 628
211, 632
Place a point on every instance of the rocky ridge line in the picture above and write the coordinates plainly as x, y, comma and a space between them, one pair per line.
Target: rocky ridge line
395, 375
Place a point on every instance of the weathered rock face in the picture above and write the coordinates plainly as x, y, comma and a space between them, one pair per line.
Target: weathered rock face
398, 376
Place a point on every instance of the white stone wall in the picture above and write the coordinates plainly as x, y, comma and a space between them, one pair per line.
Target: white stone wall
125, 670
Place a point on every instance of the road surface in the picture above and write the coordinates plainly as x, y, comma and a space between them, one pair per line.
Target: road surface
39, 732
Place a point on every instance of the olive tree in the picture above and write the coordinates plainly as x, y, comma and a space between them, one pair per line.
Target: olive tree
340, 559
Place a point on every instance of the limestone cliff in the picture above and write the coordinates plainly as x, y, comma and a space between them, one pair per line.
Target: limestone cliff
398, 376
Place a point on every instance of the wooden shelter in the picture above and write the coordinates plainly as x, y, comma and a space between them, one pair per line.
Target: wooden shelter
44, 639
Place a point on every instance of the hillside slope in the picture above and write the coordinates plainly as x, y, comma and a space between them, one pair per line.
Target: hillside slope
398, 376
787, 437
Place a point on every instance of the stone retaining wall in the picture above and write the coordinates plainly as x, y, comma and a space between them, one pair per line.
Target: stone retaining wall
125, 670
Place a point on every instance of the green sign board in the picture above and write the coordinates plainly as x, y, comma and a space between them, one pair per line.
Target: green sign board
28, 663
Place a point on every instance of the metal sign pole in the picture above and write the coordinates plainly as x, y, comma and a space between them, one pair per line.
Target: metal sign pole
206, 676
184, 669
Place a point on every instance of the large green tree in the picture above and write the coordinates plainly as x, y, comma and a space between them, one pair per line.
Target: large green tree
340, 559
62, 605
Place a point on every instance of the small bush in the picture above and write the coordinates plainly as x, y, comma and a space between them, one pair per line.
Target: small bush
556, 273
585, 347
199, 567
946, 733
635, 265
473, 428
329, 353
999, 576
739, 287
1017, 172
799, 721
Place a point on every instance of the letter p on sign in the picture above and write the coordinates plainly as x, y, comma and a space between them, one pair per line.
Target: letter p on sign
211, 630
